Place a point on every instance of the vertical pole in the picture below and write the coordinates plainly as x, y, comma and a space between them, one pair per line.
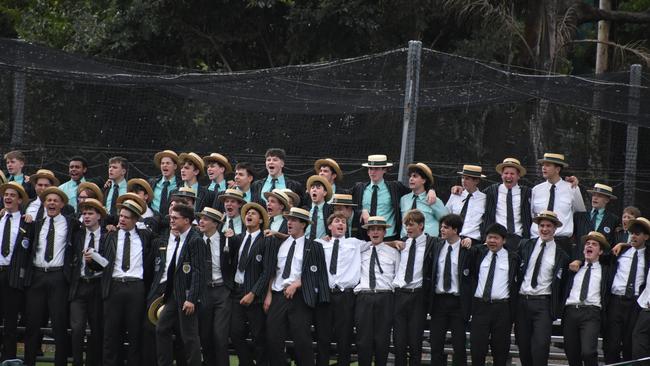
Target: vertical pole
18, 109
411, 92
632, 142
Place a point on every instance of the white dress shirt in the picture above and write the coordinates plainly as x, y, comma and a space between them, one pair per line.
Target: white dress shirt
348, 264
502, 207
500, 289
474, 214
420, 247
623, 271
567, 201
136, 269
15, 226
239, 275
442, 259
593, 293
388, 260
32, 208
169, 253
279, 283
215, 255
545, 277
60, 242
98, 234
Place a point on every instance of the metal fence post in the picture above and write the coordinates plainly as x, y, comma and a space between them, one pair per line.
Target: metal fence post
411, 92
632, 141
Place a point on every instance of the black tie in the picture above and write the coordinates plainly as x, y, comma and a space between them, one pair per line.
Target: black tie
410, 263
335, 257
244, 254
584, 290
414, 205
511, 213
169, 286
287, 264
314, 224
39, 213
11, 178
594, 215
373, 200
164, 199
463, 211
374, 260
49, 248
115, 195
487, 290
630, 288
538, 266
231, 224
551, 198
273, 180
6, 236
446, 276
126, 252
271, 220
91, 244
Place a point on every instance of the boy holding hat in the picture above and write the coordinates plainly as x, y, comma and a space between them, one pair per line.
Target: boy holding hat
494, 273
420, 181
470, 204
15, 236
115, 186
232, 200
599, 218
46, 276
192, 168
85, 284
275, 179
344, 204
541, 279
277, 203
251, 284
297, 285
585, 298
166, 182
218, 282
217, 167
320, 191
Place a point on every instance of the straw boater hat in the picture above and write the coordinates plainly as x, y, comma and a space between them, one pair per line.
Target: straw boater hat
165, 154
155, 309
277, 193
222, 160
142, 183
93, 203
195, 159
513, 163
211, 213
317, 178
642, 221
232, 193
185, 192
133, 197
547, 215
600, 238
44, 173
295, 199
377, 161
472, 171
16, 186
56, 191
553, 158
330, 163
300, 214
376, 221
605, 190
257, 207
3, 178
93, 187
343, 200
423, 169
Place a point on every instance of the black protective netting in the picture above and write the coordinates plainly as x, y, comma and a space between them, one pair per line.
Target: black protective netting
469, 112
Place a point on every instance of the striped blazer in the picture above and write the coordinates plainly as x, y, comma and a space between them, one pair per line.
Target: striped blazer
227, 261
491, 201
20, 254
78, 243
256, 276
73, 226
187, 284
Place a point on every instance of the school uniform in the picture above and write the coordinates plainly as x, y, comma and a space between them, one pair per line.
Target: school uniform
432, 213
641, 332
470, 206
602, 221
510, 208
388, 195
162, 189
268, 184
111, 194
319, 215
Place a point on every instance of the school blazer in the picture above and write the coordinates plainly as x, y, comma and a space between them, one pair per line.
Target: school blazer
583, 225
20, 254
604, 290
478, 254
396, 190
491, 201
227, 261
612, 261
72, 227
256, 276
78, 243
187, 284
464, 279
204, 198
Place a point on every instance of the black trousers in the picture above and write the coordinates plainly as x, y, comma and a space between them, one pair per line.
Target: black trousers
86, 308
335, 323
533, 329
289, 318
49, 290
446, 314
172, 321
641, 336
373, 316
581, 326
247, 320
9, 307
621, 317
408, 327
149, 356
123, 312
491, 326
214, 326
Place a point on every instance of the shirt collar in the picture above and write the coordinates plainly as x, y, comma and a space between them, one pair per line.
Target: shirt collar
320, 205
454, 245
254, 234
280, 178
379, 184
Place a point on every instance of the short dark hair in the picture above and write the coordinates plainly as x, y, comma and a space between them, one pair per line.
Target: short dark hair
497, 229
248, 167
138, 188
119, 160
427, 183
277, 152
452, 220
81, 159
184, 210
